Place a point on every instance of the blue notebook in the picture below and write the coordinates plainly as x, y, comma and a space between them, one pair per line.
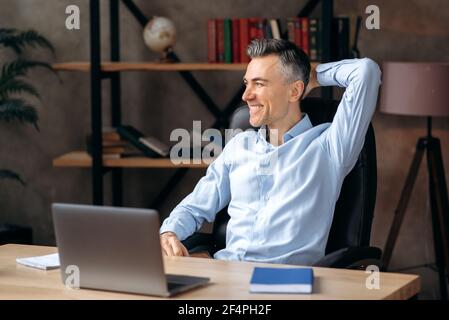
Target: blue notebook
282, 280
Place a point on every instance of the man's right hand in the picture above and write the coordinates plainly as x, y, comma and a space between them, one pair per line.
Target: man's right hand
171, 246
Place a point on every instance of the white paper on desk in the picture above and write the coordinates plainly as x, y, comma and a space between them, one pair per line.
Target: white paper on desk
47, 262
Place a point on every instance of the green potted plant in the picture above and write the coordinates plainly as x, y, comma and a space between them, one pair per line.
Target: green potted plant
13, 104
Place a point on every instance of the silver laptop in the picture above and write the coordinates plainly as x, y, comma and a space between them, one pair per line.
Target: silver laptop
115, 249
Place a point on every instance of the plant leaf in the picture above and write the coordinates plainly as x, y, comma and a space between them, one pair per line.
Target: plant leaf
17, 41
20, 67
8, 174
6, 33
18, 109
16, 86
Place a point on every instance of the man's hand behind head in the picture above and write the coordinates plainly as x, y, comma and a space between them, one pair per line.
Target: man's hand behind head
171, 246
313, 81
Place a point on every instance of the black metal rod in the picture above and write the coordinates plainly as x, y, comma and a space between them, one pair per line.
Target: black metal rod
233, 104
106, 75
429, 127
143, 20
399, 213
327, 14
439, 208
308, 8
197, 88
442, 198
95, 87
177, 176
116, 112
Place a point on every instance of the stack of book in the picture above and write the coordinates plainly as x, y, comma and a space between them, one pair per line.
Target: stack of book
113, 147
149, 146
228, 38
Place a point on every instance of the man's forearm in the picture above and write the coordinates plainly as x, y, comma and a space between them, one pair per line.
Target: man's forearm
346, 134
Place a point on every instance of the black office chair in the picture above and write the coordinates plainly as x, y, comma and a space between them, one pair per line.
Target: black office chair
348, 243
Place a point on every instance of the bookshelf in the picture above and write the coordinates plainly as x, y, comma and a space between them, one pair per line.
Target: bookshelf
110, 70
142, 66
81, 159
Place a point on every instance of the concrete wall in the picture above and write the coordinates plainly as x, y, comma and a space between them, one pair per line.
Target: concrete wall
159, 102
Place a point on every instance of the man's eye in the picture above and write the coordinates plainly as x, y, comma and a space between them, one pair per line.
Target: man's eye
259, 84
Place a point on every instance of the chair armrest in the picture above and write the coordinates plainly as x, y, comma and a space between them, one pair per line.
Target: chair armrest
352, 258
200, 242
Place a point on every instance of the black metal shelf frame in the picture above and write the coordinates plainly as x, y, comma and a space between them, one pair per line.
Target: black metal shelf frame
96, 77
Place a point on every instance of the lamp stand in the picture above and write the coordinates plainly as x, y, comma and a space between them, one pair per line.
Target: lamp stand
439, 205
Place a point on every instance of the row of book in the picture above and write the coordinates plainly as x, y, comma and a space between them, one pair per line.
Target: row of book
126, 141
113, 146
228, 38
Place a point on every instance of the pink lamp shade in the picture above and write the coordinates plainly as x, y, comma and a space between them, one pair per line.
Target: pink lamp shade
415, 88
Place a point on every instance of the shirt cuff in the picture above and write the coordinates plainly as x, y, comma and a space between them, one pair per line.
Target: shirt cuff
172, 226
324, 74
327, 72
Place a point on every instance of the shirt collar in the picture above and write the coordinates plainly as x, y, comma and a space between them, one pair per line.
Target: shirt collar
301, 126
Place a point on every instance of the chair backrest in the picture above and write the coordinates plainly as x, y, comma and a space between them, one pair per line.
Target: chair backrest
354, 211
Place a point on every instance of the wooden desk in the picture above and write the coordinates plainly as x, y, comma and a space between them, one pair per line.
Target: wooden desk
229, 280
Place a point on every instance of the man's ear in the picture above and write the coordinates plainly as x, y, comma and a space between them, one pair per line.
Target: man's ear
296, 90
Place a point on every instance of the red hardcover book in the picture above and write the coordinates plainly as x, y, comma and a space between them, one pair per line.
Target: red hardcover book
220, 40
235, 41
291, 29
305, 35
253, 26
244, 40
211, 41
298, 33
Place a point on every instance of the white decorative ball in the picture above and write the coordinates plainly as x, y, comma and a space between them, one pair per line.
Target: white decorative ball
159, 34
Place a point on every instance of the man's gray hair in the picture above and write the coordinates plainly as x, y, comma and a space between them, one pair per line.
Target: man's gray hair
295, 64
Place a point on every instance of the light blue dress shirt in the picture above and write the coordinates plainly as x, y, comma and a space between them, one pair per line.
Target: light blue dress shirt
282, 199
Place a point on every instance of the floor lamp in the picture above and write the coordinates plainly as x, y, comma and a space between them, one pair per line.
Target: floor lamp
421, 89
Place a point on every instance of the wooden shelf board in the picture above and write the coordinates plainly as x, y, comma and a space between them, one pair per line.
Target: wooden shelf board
80, 159
146, 66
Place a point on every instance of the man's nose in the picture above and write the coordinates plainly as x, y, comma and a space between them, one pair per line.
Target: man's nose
247, 94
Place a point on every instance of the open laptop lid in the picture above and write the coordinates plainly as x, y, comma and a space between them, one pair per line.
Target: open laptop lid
114, 249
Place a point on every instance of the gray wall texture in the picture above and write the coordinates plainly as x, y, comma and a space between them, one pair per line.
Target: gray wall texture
158, 102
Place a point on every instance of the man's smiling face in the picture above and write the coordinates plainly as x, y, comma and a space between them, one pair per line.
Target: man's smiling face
266, 93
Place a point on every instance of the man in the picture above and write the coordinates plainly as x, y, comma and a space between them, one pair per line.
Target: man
281, 188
